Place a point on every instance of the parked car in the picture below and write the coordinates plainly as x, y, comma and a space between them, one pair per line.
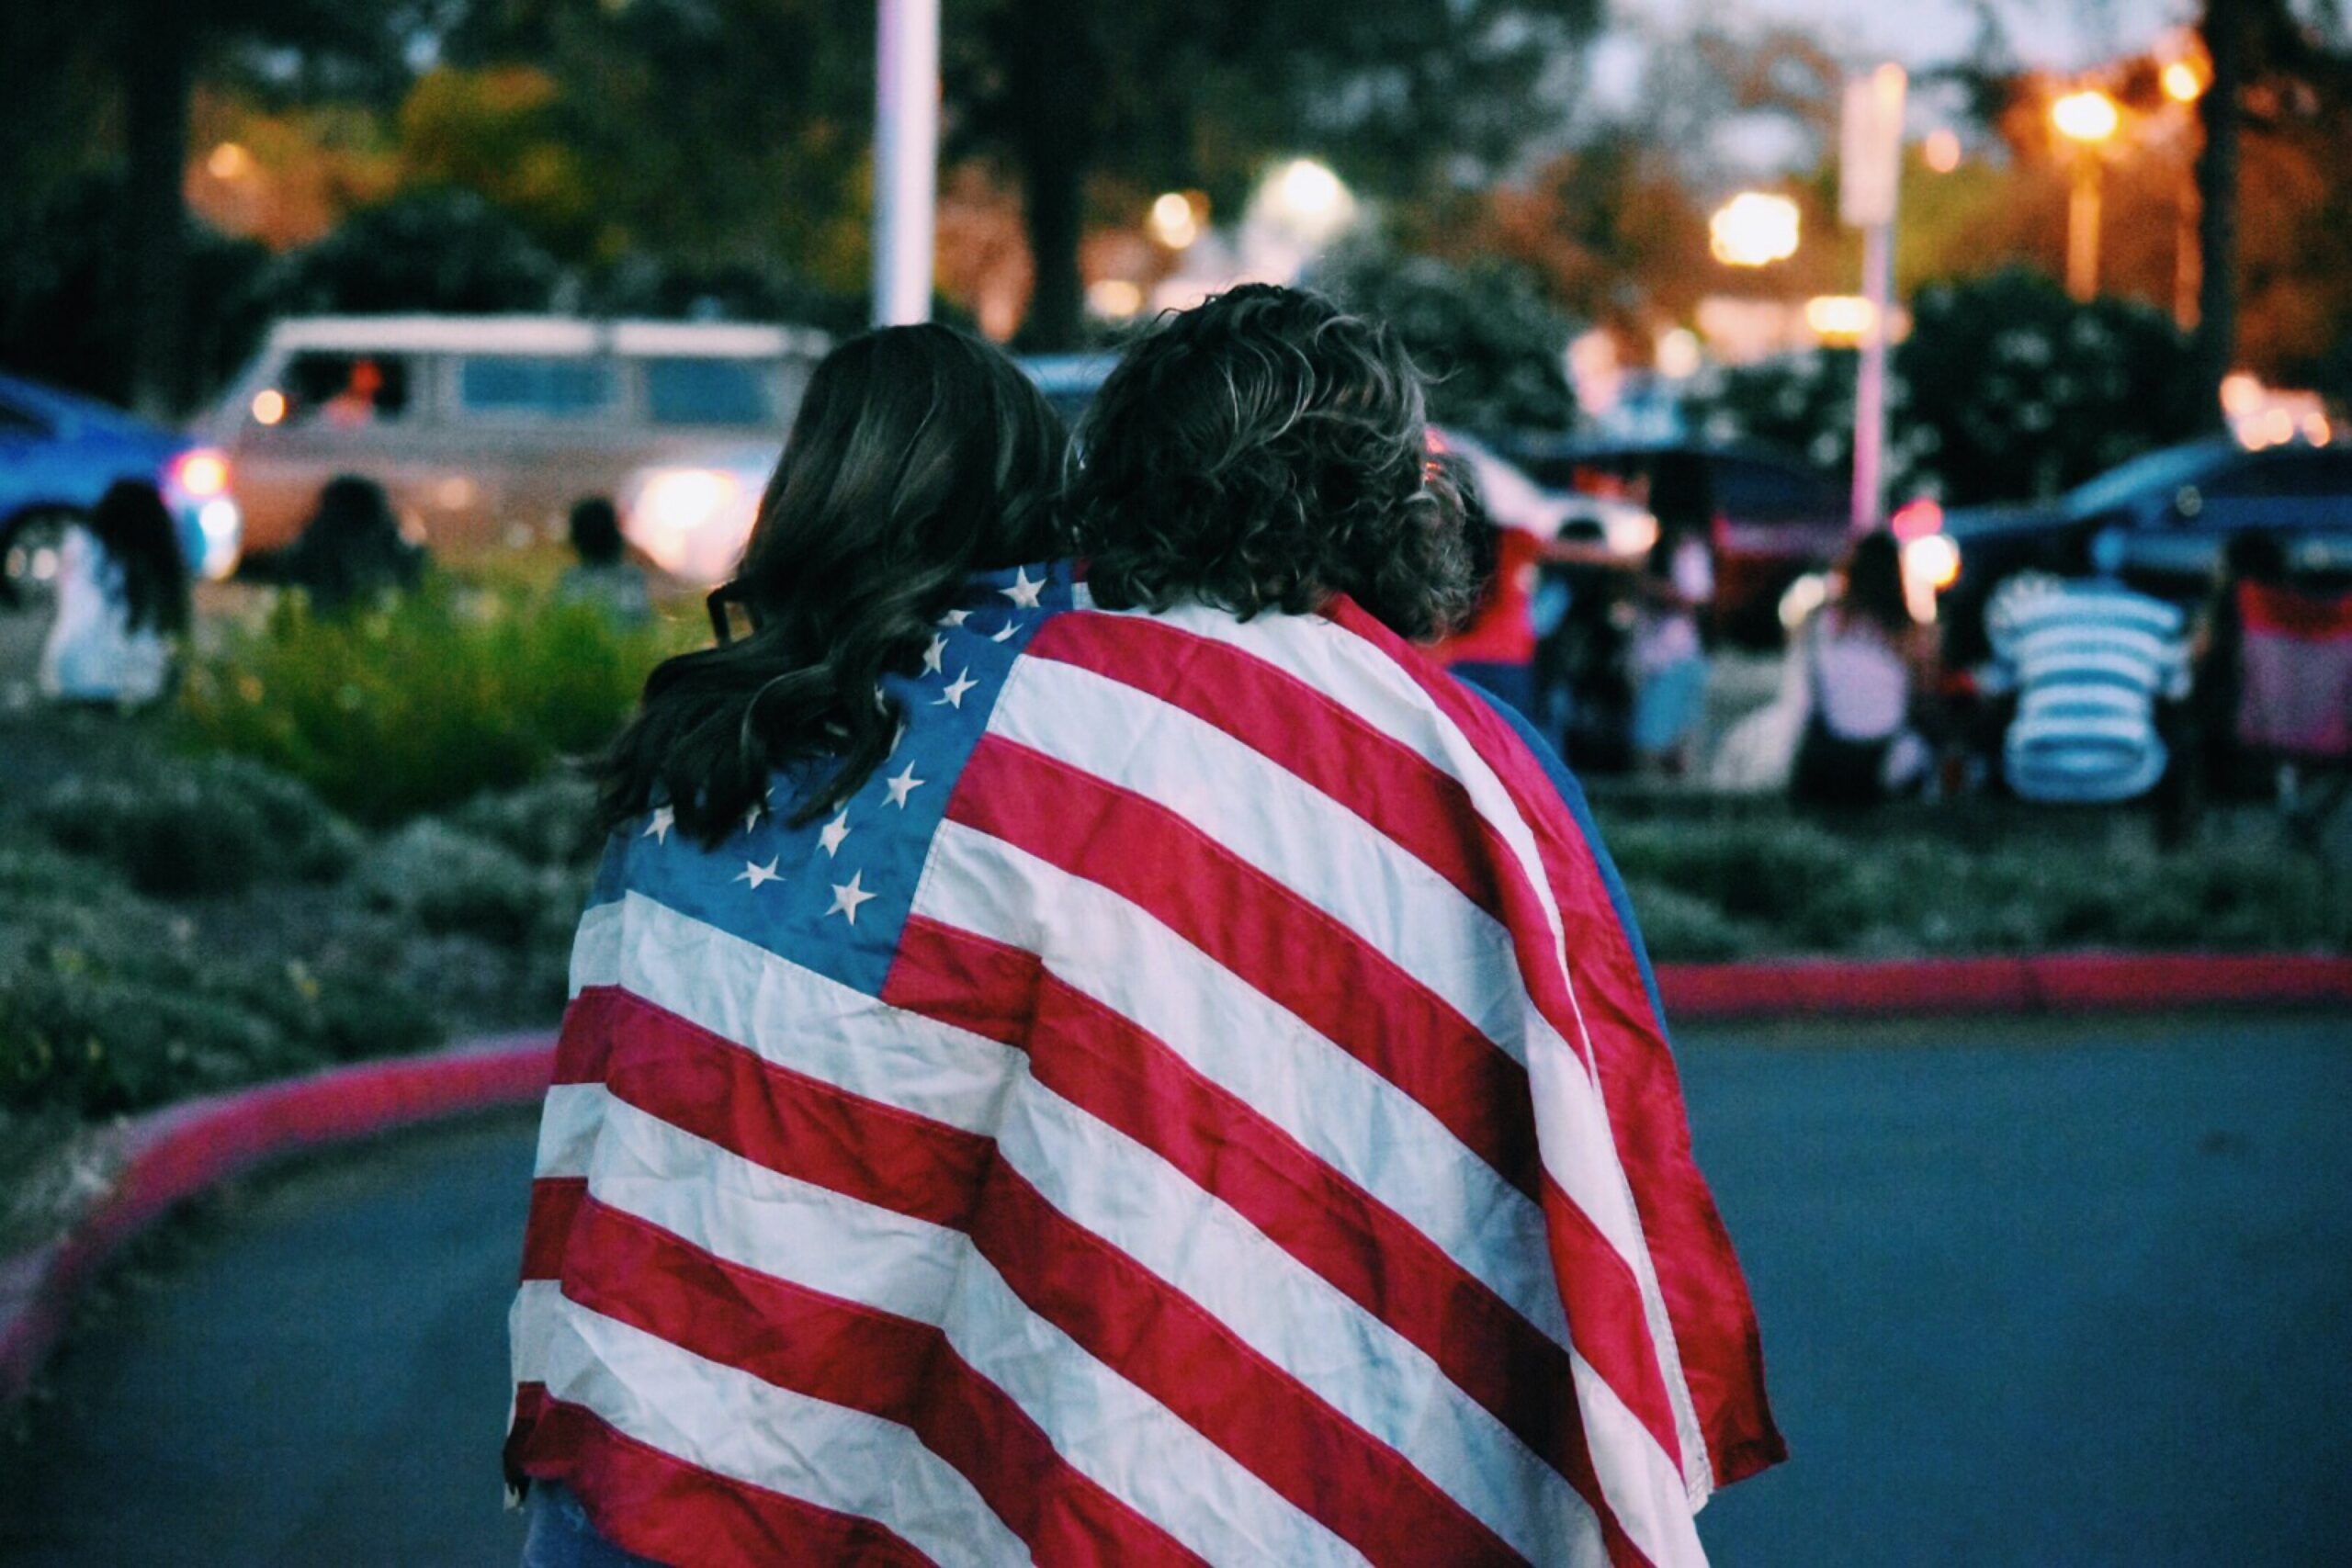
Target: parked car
484, 430
2172, 510
1776, 517
58, 454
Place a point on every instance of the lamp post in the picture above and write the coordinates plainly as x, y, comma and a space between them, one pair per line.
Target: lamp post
2088, 118
1870, 180
906, 158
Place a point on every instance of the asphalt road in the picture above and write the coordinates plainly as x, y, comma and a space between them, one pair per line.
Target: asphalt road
2032, 1294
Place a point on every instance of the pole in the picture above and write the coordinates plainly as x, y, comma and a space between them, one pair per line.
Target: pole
2217, 204
2081, 229
1869, 380
906, 157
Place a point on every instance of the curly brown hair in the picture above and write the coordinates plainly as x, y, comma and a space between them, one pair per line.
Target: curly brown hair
1267, 451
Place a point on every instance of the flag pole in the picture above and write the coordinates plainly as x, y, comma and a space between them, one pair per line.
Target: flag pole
906, 157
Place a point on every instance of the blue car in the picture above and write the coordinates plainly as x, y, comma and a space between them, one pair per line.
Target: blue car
58, 454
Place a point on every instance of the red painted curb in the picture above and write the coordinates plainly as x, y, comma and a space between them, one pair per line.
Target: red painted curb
183, 1150
2070, 982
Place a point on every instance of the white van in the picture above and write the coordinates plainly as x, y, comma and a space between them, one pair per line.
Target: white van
484, 430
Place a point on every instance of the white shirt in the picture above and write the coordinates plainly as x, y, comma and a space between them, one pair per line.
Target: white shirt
1860, 680
92, 653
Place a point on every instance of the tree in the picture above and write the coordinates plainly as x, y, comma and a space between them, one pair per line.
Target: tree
1195, 92
1494, 348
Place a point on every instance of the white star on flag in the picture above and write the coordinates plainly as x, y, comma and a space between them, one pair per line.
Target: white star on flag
1005, 633
756, 874
956, 688
829, 837
1022, 593
752, 816
903, 785
659, 828
955, 617
848, 895
933, 655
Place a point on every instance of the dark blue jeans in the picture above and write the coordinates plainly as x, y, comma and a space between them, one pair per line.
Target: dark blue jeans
560, 1534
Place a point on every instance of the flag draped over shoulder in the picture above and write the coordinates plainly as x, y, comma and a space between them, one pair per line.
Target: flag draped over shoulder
1199, 1101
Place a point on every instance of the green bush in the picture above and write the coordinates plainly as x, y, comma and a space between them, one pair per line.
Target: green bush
551, 822
417, 707
212, 825
439, 879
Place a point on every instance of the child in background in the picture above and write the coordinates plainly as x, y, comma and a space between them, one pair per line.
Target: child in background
1677, 584
604, 576
122, 598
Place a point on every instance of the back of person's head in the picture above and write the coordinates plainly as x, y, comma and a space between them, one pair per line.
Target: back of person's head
2254, 555
1874, 578
920, 455
134, 528
595, 528
351, 550
1682, 490
1267, 451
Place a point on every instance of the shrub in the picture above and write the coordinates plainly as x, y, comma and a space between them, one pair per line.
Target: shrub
443, 880
551, 822
178, 826
417, 707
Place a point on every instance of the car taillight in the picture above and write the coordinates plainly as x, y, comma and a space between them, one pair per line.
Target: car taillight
201, 474
1916, 519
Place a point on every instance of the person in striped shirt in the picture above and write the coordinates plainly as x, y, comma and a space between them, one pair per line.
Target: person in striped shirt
2089, 661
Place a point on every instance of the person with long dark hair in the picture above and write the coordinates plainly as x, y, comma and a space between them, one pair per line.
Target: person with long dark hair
351, 554
734, 953
122, 602
1866, 661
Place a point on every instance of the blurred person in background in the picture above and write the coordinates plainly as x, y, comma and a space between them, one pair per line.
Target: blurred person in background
1866, 663
730, 970
2087, 660
1495, 646
351, 554
122, 601
602, 575
1677, 584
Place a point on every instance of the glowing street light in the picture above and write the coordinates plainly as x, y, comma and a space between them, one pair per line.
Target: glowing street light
1942, 150
2089, 119
2088, 116
1173, 222
1753, 229
2183, 83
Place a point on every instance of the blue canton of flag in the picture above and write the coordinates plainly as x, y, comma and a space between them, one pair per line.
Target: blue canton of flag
835, 893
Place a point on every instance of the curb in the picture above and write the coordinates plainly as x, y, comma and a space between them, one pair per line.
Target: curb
2071, 982
177, 1153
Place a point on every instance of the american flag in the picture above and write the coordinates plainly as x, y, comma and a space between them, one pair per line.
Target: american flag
1198, 1101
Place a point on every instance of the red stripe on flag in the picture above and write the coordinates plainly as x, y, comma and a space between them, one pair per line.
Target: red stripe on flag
658, 1505
1699, 1276
1263, 934
1127, 1078
720, 1092
555, 1205
856, 1356
1419, 806
1118, 1311
1276, 714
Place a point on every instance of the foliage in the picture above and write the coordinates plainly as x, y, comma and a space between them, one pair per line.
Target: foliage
208, 827
440, 879
2006, 390
1721, 880
110, 1003
430, 249
1494, 349
444, 695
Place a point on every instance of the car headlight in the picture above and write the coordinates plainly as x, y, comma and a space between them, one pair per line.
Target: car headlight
1629, 533
1934, 560
692, 522
223, 527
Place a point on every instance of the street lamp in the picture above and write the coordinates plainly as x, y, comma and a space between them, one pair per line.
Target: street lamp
1753, 229
2089, 119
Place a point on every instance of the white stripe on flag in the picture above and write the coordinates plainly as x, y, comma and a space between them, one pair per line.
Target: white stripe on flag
1106, 1428
726, 1421
794, 1017
1301, 1324
1338, 1110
